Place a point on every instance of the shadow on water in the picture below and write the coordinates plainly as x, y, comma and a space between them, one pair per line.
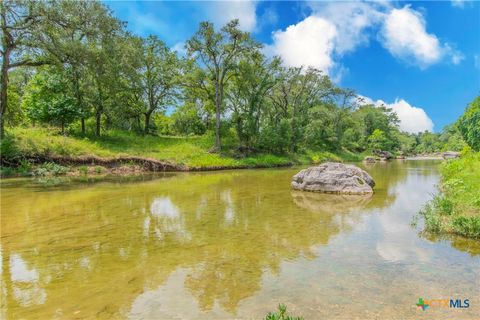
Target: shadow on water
108, 248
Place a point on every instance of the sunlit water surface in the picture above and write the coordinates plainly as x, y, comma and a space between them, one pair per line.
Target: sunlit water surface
229, 244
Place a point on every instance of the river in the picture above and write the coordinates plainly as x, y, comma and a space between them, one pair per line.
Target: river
230, 244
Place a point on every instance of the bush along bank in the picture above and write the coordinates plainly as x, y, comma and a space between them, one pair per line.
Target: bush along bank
456, 208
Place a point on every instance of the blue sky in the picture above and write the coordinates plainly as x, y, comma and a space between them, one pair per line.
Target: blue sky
422, 59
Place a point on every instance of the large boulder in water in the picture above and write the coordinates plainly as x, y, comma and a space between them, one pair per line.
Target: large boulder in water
333, 177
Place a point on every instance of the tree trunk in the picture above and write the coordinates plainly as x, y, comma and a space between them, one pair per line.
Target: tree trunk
148, 114
98, 118
3, 92
218, 104
83, 126
63, 127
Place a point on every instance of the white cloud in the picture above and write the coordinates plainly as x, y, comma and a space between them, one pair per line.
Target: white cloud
332, 30
307, 43
352, 20
221, 12
404, 34
336, 28
412, 119
179, 47
458, 3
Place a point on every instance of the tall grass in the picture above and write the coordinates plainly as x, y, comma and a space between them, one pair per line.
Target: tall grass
456, 209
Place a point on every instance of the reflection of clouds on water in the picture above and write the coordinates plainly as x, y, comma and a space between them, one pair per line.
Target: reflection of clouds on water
399, 240
168, 219
229, 214
201, 207
164, 207
20, 271
26, 287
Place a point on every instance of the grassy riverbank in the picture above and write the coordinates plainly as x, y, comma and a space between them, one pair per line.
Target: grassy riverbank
22, 145
456, 209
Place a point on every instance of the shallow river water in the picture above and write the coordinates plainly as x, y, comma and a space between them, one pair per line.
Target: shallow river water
231, 244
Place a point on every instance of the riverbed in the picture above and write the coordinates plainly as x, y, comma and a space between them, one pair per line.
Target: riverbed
228, 245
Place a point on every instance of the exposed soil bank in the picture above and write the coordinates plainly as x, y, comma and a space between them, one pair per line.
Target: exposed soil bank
122, 165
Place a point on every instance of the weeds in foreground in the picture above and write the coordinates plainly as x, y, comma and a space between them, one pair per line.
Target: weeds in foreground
281, 314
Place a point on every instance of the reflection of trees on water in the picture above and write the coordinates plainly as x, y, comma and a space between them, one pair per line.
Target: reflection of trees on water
460, 243
96, 249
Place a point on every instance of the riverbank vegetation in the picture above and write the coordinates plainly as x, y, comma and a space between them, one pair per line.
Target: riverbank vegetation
76, 83
456, 208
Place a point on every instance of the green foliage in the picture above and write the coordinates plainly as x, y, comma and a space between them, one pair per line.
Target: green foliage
48, 100
187, 120
273, 138
281, 314
378, 140
49, 169
467, 226
469, 124
102, 79
457, 208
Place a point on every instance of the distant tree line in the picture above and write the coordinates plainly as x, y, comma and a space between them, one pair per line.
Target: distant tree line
72, 64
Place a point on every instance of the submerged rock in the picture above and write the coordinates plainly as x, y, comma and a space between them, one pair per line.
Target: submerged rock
383, 154
369, 159
451, 155
333, 177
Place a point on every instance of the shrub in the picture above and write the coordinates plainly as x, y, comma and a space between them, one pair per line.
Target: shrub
281, 314
49, 169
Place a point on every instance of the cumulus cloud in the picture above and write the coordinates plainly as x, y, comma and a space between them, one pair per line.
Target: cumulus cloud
412, 119
338, 28
221, 12
352, 20
332, 30
405, 36
309, 43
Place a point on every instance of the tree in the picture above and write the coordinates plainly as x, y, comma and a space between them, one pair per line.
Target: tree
469, 124
103, 69
18, 20
158, 76
252, 82
49, 100
219, 52
69, 28
378, 140
296, 93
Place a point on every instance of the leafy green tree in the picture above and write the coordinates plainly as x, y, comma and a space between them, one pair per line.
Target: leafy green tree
18, 21
103, 70
49, 100
378, 140
298, 91
219, 53
69, 29
451, 139
469, 124
428, 142
252, 82
273, 136
187, 120
158, 77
